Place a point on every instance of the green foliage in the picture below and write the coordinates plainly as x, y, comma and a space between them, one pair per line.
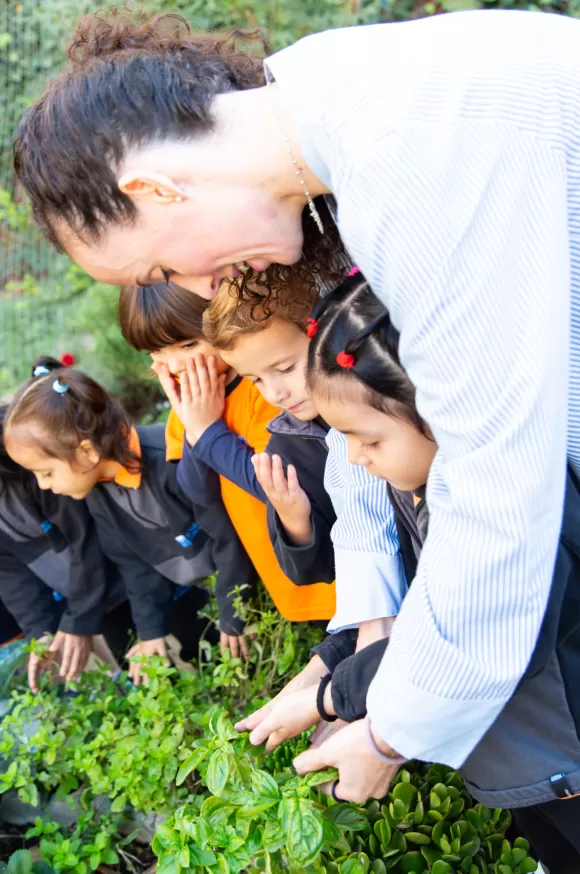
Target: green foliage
260, 816
22, 862
91, 843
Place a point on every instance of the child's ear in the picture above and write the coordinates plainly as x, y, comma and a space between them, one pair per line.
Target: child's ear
87, 453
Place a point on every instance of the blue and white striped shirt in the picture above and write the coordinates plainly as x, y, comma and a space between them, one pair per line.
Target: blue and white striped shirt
370, 578
452, 146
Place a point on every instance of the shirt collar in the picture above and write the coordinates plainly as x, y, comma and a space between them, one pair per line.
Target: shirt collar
124, 477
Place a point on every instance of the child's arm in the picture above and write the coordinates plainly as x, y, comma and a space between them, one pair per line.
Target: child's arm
298, 527
370, 578
235, 571
26, 597
198, 401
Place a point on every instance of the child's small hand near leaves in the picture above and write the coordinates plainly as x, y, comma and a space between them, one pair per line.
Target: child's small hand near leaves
198, 399
238, 645
289, 717
157, 646
72, 650
286, 496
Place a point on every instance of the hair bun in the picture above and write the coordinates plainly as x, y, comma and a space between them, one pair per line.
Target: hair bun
45, 364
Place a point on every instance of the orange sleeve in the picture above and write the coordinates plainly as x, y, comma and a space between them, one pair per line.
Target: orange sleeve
262, 415
174, 433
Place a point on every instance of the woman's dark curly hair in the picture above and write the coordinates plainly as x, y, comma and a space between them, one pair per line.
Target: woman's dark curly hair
132, 81
354, 342
83, 411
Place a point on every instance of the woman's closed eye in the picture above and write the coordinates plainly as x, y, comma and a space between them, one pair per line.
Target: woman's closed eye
367, 446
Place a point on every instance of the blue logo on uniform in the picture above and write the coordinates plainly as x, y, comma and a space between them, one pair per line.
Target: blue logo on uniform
46, 526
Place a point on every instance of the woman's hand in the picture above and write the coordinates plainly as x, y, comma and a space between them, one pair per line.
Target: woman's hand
290, 716
198, 399
362, 775
157, 646
286, 496
72, 650
311, 675
237, 645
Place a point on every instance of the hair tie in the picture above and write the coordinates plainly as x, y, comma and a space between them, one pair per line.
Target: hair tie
354, 271
311, 328
40, 370
67, 359
59, 387
346, 360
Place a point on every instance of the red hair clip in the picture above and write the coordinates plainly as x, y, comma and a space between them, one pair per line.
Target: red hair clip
346, 360
67, 359
311, 328
354, 271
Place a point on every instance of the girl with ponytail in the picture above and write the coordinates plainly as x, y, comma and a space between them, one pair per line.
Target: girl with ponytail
78, 442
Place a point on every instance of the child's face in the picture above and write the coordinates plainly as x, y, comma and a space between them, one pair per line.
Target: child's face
390, 448
177, 355
274, 359
75, 480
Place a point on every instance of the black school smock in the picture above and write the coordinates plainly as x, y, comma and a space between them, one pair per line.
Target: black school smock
53, 573
159, 539
303, 444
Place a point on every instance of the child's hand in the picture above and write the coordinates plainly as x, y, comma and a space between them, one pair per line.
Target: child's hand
157, 646
237, 645
286, 496
289, 717
309, 676
198, 399
76, 649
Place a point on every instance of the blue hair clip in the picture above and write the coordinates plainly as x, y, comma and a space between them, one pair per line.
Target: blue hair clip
40, 370
59, 387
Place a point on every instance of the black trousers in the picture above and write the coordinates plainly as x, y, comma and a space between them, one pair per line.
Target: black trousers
553, 830
183, 622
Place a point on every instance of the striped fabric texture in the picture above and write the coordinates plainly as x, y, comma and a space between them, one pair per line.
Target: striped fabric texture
452, 146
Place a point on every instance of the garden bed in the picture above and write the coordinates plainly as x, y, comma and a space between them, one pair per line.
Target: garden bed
167, 756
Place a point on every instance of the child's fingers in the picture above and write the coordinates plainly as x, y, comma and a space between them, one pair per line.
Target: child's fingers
193, 379
294, 487
186, 392
201, 369
33, 672
278, 476
263, 470
212, 374
169, 386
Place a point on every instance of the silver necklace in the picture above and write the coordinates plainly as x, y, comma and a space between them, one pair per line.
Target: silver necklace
299, 172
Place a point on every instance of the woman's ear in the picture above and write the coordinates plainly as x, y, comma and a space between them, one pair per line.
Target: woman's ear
144, 184
87, 453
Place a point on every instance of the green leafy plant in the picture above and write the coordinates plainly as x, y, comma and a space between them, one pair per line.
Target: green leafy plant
260, 816
23, 862
91, 843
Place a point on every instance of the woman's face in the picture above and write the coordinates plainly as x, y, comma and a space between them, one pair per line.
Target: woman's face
213, 232
390, 448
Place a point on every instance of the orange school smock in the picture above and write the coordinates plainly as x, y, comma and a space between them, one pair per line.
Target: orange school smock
247, 414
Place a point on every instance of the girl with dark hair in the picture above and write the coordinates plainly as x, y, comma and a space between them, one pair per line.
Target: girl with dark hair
78, 442
54, 578
530, 757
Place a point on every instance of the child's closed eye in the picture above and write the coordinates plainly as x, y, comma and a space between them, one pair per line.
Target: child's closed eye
288, 369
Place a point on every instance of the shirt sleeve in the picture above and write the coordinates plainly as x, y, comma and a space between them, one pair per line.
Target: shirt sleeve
464, 235
229, 455
27, 598
370, 578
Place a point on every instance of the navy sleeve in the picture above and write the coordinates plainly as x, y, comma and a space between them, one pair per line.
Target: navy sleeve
351, 680
196, 479
229, 455
336, 648
27, 598
234, 568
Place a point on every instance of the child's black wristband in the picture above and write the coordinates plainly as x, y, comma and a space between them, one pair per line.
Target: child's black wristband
326, 717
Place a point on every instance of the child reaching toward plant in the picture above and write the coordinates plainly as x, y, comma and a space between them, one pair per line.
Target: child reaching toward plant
54, 579
530, 758
218, 420
78, 442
